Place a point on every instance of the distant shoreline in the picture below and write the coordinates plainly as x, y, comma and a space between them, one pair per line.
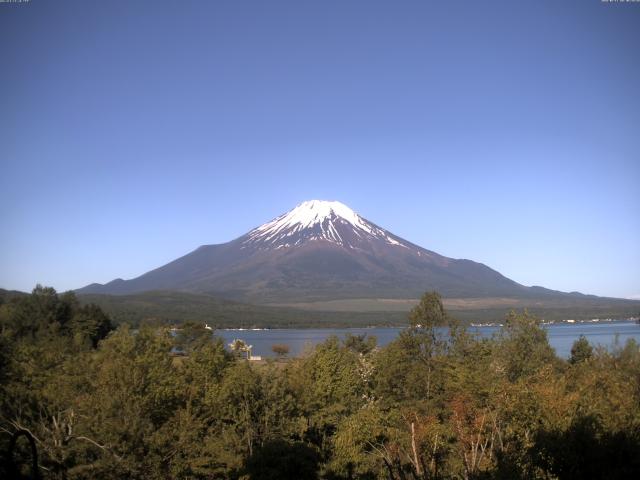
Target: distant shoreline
474, 325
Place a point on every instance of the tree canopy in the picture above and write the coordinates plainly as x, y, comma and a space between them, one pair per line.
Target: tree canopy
436, 403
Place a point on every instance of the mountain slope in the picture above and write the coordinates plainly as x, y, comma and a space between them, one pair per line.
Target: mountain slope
319, 251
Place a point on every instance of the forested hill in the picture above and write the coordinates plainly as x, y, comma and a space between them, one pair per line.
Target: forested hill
9, 294
177, 307
165, 307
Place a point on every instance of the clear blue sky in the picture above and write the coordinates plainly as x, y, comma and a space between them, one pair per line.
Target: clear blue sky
504, 132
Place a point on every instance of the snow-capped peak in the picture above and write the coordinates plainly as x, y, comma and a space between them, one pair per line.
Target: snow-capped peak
313, 212
317, 220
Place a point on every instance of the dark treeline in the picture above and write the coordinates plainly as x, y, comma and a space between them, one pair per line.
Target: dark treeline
105, 404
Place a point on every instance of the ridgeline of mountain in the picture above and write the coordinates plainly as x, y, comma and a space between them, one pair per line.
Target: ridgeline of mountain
321, 251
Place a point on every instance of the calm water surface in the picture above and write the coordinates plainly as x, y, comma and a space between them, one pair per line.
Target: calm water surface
561, 336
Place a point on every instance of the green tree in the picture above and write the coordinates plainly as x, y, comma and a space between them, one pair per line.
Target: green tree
89, 323
328, 385
280, 349
192, 336
411, 367
46, 315
429, 312
134, 392
523, 346
581, 350
362, 344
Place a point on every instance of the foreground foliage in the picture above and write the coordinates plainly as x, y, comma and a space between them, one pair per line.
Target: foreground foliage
103, 403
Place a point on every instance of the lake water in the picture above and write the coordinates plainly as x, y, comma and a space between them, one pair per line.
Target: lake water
561, 336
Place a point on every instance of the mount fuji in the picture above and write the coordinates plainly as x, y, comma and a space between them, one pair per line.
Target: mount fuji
319, 251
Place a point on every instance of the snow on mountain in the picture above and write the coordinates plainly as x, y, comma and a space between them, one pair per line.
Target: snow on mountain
318, 220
